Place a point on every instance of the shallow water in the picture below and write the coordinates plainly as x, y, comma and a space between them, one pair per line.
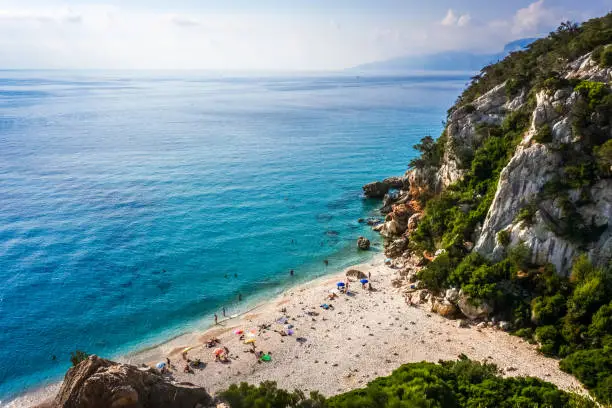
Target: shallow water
134, 204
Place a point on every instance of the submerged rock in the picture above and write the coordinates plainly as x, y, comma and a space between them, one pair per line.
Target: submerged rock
100, 383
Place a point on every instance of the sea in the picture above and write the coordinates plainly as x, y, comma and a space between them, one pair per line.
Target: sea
136, 204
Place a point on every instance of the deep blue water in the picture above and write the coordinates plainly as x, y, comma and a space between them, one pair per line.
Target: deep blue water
126, 198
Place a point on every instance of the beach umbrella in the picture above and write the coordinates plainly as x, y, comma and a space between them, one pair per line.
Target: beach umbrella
249, 341
238, 331
340, 284
186, 349
161, 365
363, 281
219, 351
289, 332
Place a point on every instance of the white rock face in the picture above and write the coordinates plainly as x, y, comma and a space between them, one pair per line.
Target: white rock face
586, 68
462, 136
520, 182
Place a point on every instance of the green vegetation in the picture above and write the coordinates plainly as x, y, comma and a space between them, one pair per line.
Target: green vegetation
570, 317
603, 55
543, 58
267, 395
445, 224
461, 383
77, 356
527, 214
603, 155
503, 237
431, 151
543, 134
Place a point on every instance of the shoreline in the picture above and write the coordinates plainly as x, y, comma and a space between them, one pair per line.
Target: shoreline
365, 336
46, 391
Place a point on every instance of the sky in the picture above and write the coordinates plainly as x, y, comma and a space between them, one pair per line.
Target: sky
278, 35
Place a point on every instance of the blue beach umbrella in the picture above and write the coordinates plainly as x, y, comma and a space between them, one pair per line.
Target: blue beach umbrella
363, 281
340, 284
160, 365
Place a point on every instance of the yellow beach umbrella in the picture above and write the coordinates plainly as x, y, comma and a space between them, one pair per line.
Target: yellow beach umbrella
249, 341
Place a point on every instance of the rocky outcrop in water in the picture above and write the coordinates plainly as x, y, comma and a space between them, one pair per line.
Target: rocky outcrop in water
100, 383
363, 243
378, 189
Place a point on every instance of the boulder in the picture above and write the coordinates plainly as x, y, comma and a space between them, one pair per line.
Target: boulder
471, 309
354, 273
444, 308
100, 383
396, 248
377, 189
505, 326
388, 200
363, 243
413, 222
452, 295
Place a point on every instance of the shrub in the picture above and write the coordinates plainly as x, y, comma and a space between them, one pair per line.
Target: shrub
462, 383
543, 134
431, 151
469, 108
503, 237
548, 337
603, 155
77, 356
594, 369
527, 214
435, 274
548, 309
267, 395
605, 58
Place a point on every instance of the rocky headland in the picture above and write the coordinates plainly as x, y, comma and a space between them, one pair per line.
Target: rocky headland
504, 219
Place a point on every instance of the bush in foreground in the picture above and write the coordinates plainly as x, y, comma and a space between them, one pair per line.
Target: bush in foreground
462, 383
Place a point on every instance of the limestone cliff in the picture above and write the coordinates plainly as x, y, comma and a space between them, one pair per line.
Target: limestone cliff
535, 164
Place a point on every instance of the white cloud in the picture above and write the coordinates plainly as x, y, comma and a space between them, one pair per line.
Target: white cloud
452, 19
41, 16
464, 20
531, 19
184, 21
108, 36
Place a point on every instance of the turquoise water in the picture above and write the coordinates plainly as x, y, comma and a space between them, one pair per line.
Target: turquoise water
134, 205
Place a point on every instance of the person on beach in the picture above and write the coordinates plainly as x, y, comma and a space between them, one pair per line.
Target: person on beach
216, 319
168, 361
224, 311
240, 297
369, 275
291, 272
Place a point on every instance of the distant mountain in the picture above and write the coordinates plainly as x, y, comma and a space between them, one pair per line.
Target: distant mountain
445, 61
